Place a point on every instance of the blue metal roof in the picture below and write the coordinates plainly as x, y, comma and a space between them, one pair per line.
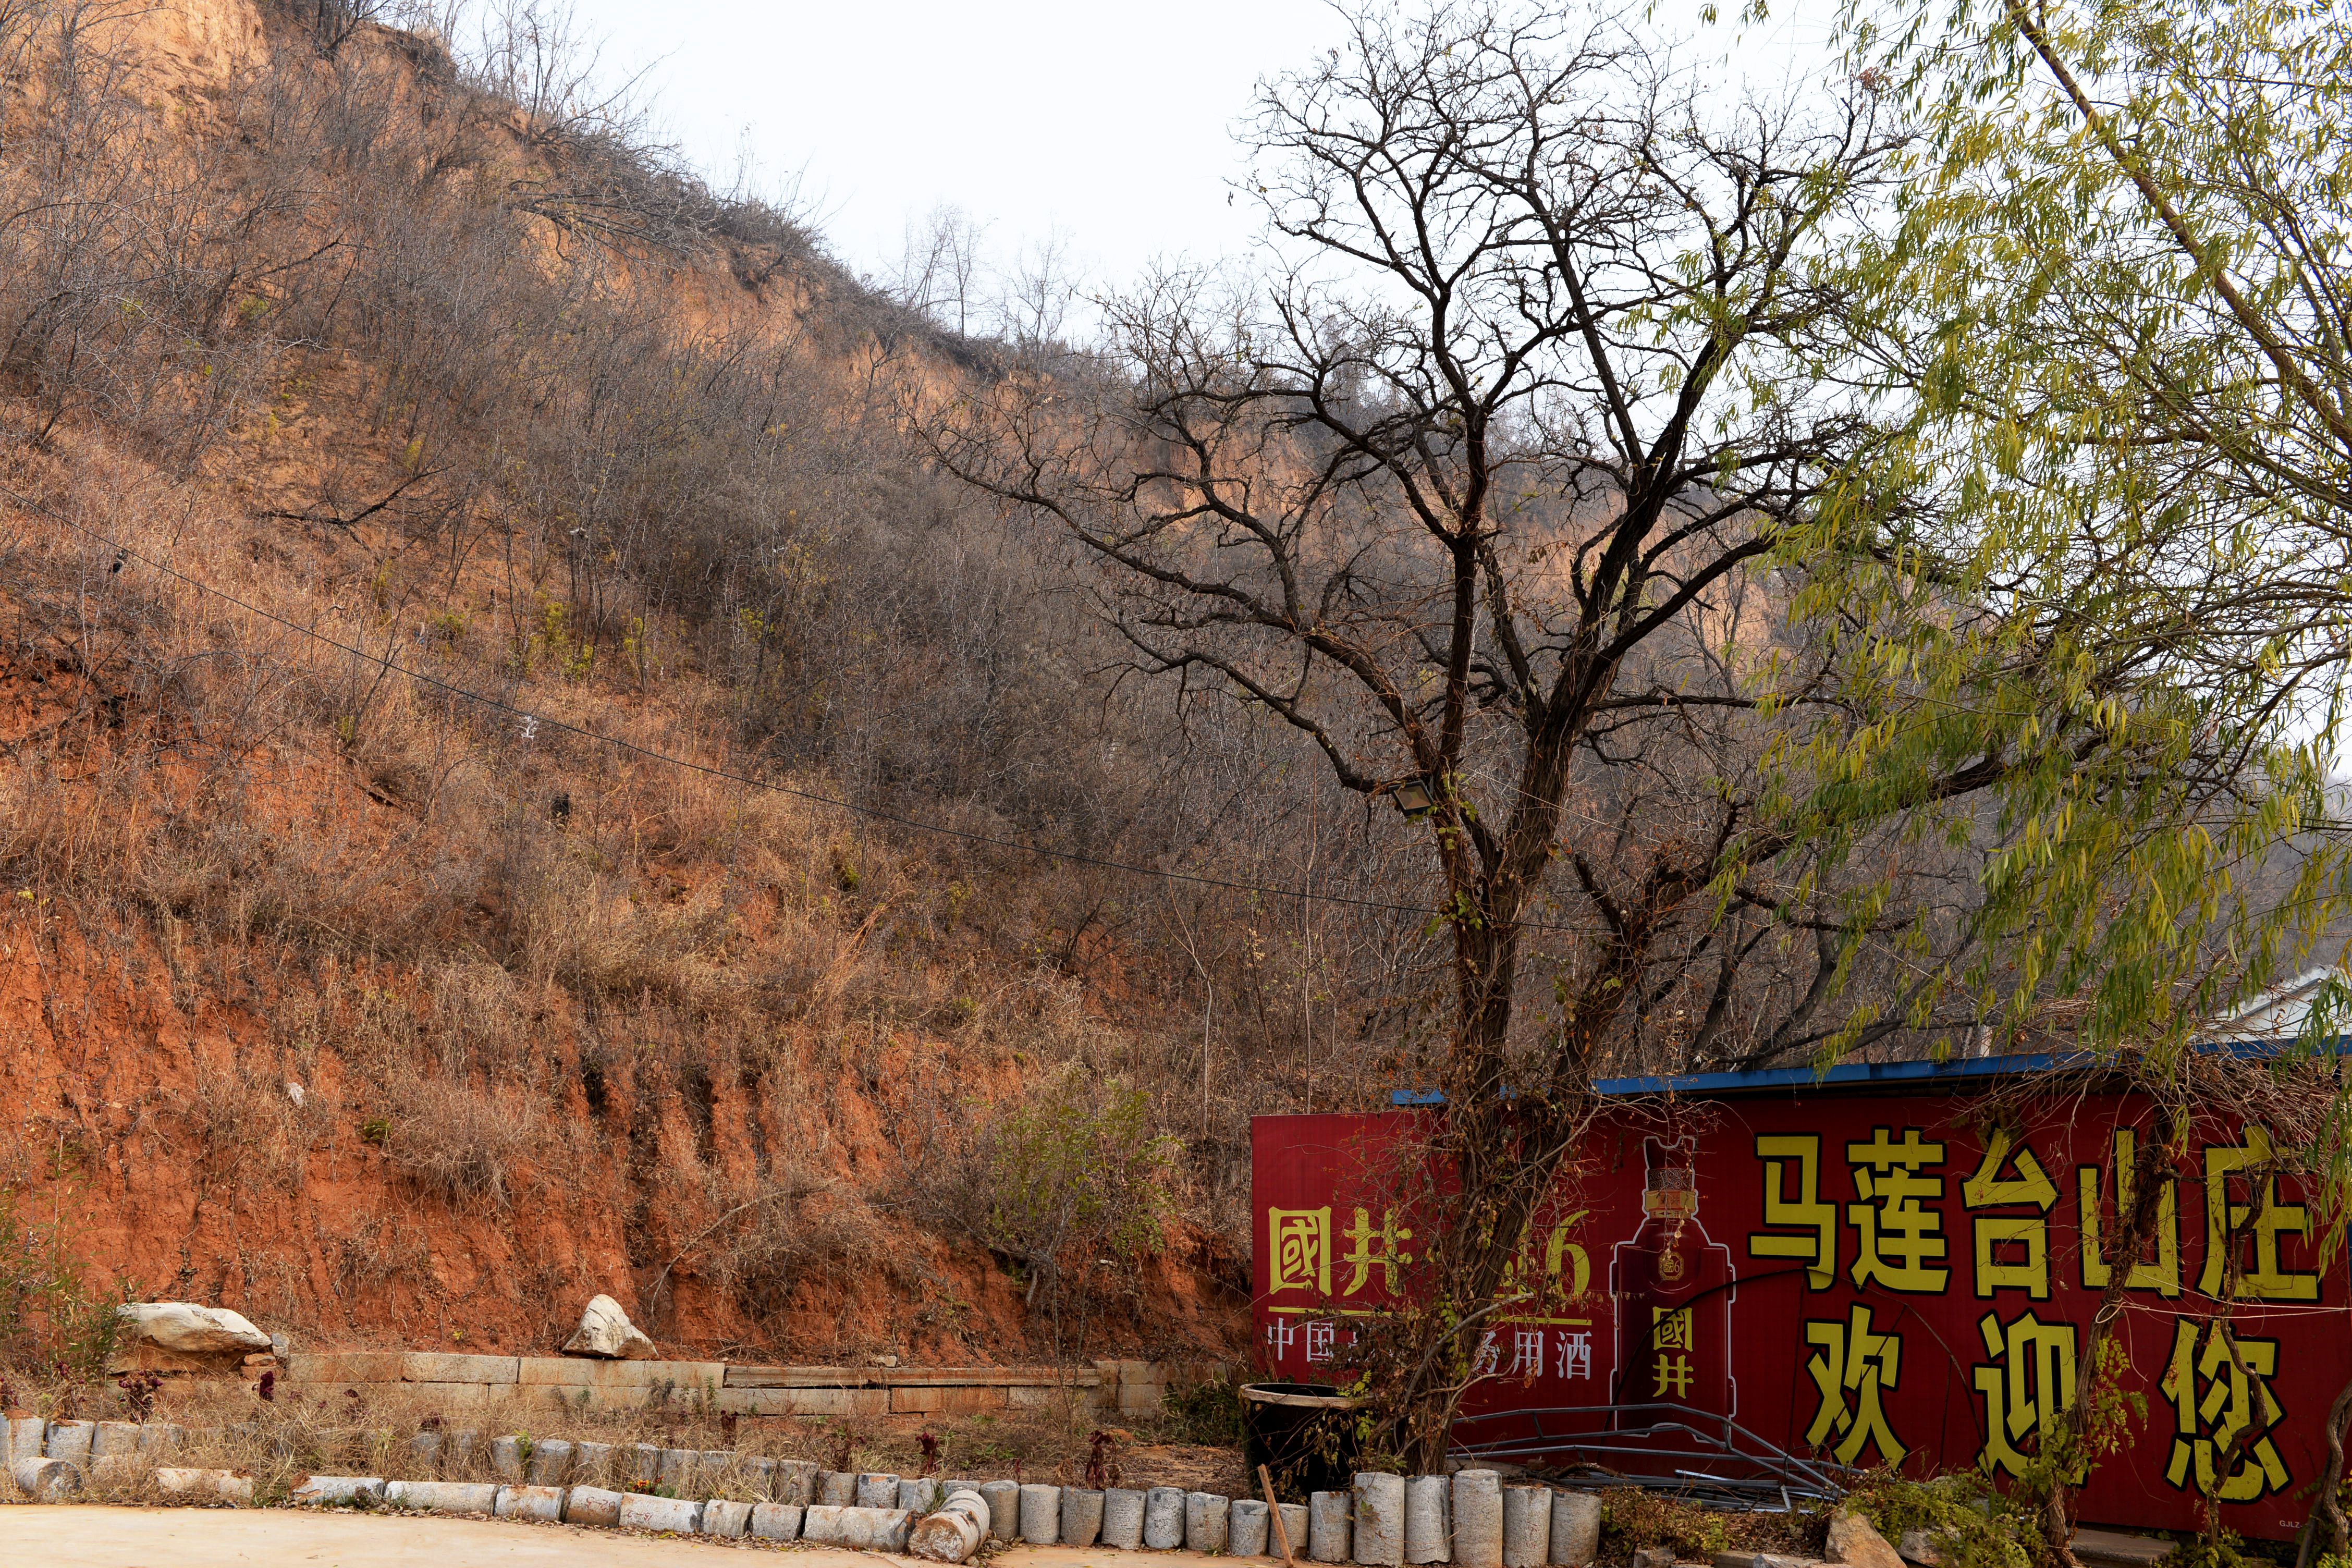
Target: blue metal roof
1868, 1075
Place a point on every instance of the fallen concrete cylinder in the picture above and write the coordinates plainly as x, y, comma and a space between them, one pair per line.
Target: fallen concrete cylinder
1082, 1511
859, 1529
1427, 1529
1003, 1500
1575, 1528
544, 1504
676, 1515
1041, 1513
46, 1480
26, 1435
592, 1505
953, 1534
776, 1520
836, 1489
224, 1484
70, 1440
341, 1491
1245, 1528
1164, 1519
443, 1497
1295, 1519
1379, 1519
877, 1491
114, 1440
1207, 1516
1527, 1526
1122, 1518
1327, 1526
723, 1516
1477, 1519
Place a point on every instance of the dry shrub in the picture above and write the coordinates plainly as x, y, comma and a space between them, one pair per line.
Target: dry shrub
464, 1142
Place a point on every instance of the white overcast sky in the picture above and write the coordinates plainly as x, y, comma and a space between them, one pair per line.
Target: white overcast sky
1111, 122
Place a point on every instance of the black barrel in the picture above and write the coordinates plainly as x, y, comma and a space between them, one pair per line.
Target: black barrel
1299, 1431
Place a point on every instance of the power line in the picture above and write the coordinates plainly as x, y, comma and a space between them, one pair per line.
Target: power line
533, 722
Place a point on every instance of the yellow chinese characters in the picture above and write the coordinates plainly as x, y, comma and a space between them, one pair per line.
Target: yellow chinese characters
1672, 1337
2161, 1273
2262, 1219
1370, 1248
1804, 1226
2219, 1398
1300, 1250
2031, 1380
2012, 1251
1902, 1240
1852, 1365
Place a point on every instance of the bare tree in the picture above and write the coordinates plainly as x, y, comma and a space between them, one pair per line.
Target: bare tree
1482, 493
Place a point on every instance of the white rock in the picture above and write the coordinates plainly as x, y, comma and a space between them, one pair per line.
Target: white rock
320, 1490
186, 1329
723, 1516
639, 1511
606, 1333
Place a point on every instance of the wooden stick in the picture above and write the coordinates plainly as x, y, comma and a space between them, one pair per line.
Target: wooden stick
1274, 1516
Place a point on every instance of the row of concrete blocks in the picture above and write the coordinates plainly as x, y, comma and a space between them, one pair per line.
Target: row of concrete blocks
865, 1529
1469, 1517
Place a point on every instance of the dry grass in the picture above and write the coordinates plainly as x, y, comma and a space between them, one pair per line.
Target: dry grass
463, 1142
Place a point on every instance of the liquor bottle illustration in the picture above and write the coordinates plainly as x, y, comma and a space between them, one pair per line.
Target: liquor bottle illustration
1672, 1290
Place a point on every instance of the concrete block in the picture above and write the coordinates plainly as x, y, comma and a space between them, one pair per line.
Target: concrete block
1245, 1528
1003, 1500
643, 1463
46, 1480
1041, 1513
592, 1505
1123, 1520
227, 1486
776, 1520
1328, 1526
1082, 1511
841, 1402
460, 1450
1575, 1528
723, 1516
834, 1488
1207, 1519
550, 1462
1477, 1519
544, 1504
571, 1372
1164, 1519
1030, 1398
70, 1441
932, 1401
424, 1449
591, 1463
796, 1482
1527, 1526
114, 1440
507, 1461
1378, 1538
677, 1515
1297, 1522
1149, 1399
442, 1497
876, 1489
919, 1495
341, 1491
1428, 1527
679, 1471
440, 1366
26, 1435
344, 1366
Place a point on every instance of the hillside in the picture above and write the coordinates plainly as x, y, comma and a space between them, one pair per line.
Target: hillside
376, 451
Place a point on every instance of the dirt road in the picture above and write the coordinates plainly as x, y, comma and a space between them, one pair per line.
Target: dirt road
98, 1537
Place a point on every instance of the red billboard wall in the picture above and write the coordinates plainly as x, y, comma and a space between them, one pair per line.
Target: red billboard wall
1875, 1277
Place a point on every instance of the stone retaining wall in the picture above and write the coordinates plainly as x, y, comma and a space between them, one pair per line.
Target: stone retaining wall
471, 1382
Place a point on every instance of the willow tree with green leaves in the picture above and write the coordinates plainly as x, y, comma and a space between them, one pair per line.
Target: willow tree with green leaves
2110, 536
